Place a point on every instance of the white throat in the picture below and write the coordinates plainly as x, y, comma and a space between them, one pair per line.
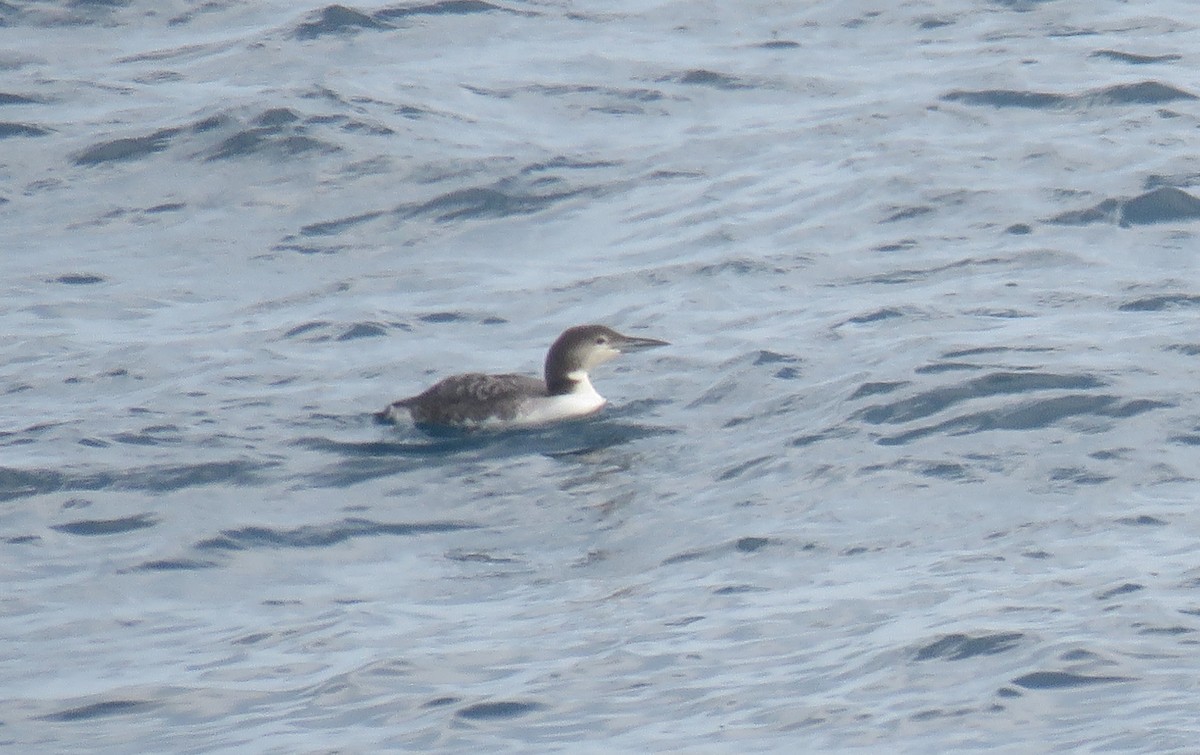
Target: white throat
580, 402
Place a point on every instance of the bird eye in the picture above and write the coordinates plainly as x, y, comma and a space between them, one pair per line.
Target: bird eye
601, 340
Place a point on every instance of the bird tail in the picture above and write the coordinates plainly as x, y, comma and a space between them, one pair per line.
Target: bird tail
391, 413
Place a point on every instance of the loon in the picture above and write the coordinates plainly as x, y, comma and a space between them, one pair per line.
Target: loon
478, 401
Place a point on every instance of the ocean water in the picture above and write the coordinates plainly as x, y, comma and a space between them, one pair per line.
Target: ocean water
918, 472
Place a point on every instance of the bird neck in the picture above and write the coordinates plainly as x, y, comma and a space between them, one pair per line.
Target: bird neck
561, 383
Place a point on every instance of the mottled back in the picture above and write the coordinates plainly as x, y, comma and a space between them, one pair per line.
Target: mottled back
471, 399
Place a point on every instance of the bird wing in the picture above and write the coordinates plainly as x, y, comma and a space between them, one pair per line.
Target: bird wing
473, 397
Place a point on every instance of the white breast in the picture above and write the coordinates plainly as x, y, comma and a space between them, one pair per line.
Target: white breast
582, 401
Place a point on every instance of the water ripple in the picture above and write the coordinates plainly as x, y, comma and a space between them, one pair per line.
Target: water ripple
320, 536
19, 483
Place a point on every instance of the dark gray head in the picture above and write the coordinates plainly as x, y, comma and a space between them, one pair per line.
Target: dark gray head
583, 347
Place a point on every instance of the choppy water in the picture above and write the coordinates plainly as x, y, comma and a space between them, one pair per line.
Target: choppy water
917, 473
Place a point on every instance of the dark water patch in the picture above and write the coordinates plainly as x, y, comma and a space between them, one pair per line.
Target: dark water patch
1161, 302
165, 207
561, 162
899, 277
703, 77
1002, 98
1031, 415
1019, 229
1189, 439
907, 213
23, 539
1140, 93
1124, 589
271, 142
995, 384
1142, 520
10, 129
480, 202
1187, 349
363, 330
857, 550
337, 19
444, 8
933, 714
78, 279
130, 148
1133, 59
683, 622
808, 439
876, 389
1108, 211
8, 98
307, 327
1078, 475
497, 710
943, 367
322, 536
372, 461
438, 318
1063, 680
1165, 204
1171, 631
972, 352
588, 436
150, 436
210, 123
19, 483
944, 471
737, 589
751, 544
106, 526
624, 94
97, 710
772, 357
168, 478
310, 248
887, 313
738, 470
332, 227
1155, 180
452, 441
684, 557
175, 564
276, 117
897, 246
441, 702
778, 44
475, 557
738, 266
933, 22
1162, 205
351, 126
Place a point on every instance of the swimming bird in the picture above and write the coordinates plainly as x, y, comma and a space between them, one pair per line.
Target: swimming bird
479, 401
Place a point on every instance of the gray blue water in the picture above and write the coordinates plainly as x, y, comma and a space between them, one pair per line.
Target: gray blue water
918, 473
